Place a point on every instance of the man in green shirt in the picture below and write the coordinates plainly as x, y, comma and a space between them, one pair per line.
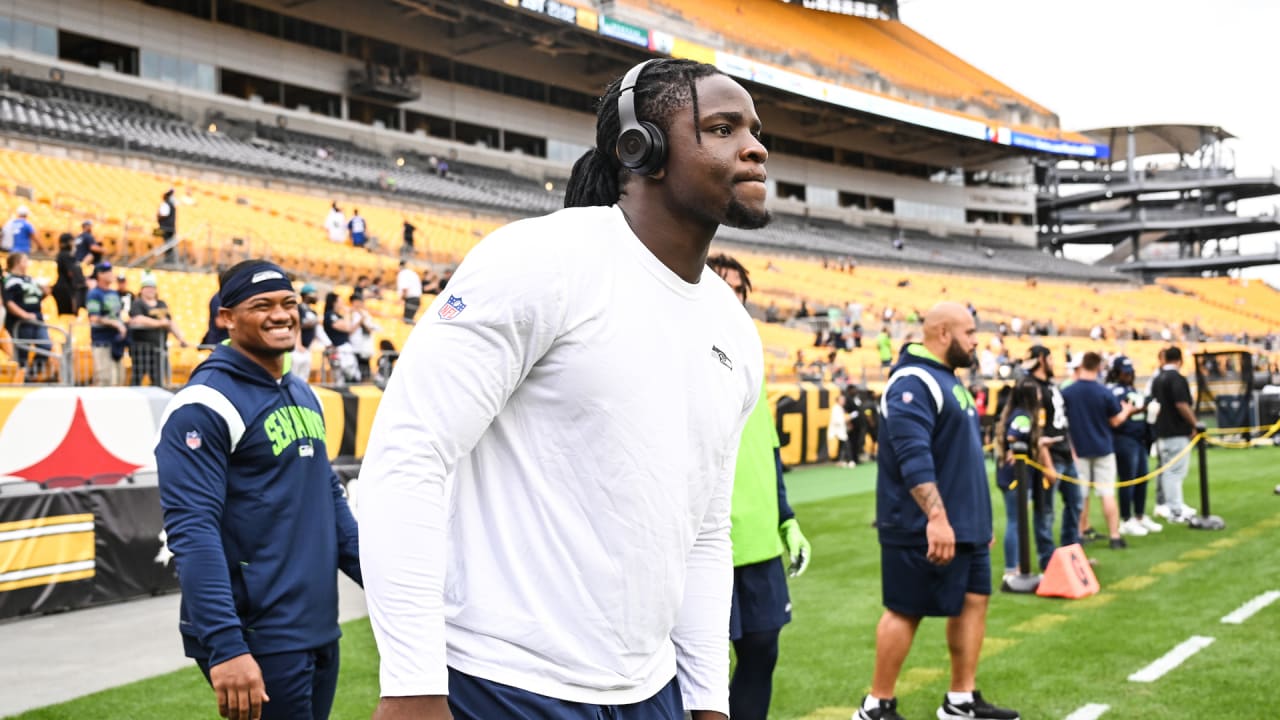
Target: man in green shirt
885, 345
764, 530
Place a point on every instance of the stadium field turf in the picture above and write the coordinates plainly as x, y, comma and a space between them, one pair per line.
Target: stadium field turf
1047, 658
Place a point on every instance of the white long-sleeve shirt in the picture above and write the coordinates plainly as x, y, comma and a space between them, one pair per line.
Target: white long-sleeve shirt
545, 495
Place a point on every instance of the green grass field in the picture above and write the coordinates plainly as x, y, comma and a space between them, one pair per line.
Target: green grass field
1044, 657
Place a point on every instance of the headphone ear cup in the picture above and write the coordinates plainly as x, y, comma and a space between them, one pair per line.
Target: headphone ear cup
633, 147
642, 148
657, 157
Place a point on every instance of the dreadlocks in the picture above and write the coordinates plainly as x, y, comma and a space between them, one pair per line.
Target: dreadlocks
664, 87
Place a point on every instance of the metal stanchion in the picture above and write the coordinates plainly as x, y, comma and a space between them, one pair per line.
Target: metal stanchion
1204, 521
1024, 581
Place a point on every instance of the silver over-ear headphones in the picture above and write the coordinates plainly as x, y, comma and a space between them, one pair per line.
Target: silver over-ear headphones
641, 147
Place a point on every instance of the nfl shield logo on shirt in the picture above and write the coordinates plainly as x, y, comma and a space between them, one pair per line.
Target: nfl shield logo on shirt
193, 440
907, 396
452, 308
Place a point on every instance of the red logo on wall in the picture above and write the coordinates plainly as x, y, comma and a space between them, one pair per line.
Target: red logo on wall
80, 454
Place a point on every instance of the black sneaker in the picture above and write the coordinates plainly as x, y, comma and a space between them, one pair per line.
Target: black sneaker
1089, 535
1118, 544
888, 710
979, 708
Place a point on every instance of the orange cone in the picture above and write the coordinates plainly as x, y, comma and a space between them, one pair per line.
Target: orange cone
1069, 575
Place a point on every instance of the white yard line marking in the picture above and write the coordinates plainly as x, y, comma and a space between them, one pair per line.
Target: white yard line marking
1092, 711
1171, 659
1247, 610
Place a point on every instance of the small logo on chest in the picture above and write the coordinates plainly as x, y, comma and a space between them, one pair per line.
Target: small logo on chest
724, 359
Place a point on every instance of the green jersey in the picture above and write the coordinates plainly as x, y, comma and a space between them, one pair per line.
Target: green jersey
755, 490
885, 345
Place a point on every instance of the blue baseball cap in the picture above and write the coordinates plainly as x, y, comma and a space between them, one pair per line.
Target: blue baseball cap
1121, 364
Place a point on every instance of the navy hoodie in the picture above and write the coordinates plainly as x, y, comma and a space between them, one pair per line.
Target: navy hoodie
930, 433
253, 511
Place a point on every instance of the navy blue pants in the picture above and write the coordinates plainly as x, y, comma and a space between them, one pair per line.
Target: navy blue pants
473, 698
1131, 462
761, 606
300, 684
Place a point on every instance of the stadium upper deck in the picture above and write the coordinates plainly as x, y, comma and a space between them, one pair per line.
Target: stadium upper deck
511, 85
855, 48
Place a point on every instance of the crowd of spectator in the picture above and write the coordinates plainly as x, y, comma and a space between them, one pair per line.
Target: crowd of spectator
138, 325
1094, 433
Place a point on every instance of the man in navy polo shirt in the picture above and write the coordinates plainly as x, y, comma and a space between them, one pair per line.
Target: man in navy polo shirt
933, 511
1092, 411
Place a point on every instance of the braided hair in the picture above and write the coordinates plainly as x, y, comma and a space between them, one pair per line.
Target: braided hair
664, 87
1025, 397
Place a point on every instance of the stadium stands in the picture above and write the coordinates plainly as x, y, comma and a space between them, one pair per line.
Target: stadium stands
231, 219
223, 221
1219, 309
35, 107
853, 46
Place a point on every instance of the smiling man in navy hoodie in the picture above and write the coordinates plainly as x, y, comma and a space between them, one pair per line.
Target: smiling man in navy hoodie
933, 511
254, 513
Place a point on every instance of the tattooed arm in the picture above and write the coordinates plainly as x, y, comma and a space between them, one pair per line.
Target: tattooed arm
942, 538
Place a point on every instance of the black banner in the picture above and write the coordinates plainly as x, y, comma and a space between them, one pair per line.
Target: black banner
133, 559
47, 554
65, 549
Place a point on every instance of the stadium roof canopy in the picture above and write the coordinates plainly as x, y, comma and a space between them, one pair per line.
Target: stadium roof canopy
1158, 139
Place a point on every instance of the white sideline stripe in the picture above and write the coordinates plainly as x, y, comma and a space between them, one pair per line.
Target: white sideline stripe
1172, 659
1092, 711
1247, 610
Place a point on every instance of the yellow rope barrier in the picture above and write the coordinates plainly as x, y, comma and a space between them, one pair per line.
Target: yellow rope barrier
1267, 431
1123, 483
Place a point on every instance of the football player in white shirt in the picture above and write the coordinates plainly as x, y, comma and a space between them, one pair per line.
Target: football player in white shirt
545, 507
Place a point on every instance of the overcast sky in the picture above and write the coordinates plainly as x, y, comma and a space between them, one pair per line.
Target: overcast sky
1099, 63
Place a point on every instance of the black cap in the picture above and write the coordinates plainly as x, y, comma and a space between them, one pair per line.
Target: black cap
1034, 354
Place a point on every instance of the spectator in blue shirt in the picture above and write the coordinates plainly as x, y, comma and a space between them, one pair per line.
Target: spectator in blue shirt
357, 227
1092, 412
107, 331
18, 232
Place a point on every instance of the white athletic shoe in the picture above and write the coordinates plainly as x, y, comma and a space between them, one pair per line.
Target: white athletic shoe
1151, 525
1163, 512
1132, 527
